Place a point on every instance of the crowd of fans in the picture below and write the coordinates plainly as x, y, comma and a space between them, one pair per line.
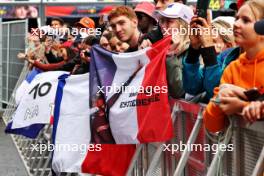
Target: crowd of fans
215, 65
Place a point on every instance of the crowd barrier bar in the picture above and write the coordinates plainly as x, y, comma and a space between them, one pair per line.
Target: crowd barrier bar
260, 164
191, 140
219, 154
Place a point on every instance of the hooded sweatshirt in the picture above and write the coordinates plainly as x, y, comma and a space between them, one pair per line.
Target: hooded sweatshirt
243, 72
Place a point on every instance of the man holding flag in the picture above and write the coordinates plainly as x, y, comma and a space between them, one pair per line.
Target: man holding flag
123, 21
130, 113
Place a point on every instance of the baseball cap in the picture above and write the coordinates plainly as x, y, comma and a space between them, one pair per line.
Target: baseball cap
86, 22
146, 8
178, 10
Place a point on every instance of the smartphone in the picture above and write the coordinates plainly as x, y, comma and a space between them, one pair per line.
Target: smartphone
252, 94
201, 8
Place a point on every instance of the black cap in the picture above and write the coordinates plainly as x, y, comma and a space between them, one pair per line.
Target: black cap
259, 27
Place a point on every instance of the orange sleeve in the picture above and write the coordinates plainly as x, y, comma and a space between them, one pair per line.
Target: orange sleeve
214, 118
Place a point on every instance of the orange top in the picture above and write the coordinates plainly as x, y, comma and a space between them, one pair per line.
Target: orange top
243, 72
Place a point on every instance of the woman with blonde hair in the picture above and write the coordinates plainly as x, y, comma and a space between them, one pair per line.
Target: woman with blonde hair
214, 41
244, 73
174, 21
223, 34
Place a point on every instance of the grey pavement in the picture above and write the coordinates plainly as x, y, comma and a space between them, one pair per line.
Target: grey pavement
10, 161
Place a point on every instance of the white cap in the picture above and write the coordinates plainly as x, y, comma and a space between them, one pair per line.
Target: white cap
178, 10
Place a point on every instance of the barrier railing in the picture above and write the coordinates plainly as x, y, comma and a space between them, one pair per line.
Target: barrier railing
161, 159
12, 41
260, 164
247, 157
165, 163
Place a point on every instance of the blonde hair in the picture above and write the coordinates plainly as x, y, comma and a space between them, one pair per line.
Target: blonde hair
185, 40
257, 7
224, 31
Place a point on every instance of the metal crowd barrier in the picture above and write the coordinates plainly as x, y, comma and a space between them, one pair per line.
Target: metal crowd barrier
36, 163
12, 41
154, 159
32, 160
246, 159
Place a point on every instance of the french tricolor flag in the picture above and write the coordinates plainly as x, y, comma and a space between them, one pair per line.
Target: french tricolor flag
132, 87
73, 151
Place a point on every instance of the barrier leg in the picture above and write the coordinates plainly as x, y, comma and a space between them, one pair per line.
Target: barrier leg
155, 160
219, 154
134, 160
191, 140
160, 148
259, 169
